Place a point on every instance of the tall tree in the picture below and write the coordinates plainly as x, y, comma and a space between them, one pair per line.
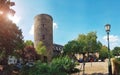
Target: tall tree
89, 42
103, 54
83, 44
82, 41
71, 48
11, 38
116, 51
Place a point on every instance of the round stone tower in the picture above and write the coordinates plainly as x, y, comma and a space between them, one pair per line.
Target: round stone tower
43, 31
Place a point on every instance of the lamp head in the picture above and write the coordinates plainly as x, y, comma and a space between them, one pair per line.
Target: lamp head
107, 27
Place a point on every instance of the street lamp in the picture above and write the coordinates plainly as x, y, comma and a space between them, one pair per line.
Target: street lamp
107, 28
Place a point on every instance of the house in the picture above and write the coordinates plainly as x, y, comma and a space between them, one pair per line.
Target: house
57, 49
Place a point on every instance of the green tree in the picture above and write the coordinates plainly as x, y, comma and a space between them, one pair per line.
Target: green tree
71, 47
99, 46
83, 44
29, 43
89, 43
116, 51
11, 39
41, 49
103, 54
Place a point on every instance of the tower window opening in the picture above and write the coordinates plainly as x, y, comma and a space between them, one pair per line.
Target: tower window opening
43, 37
43, 25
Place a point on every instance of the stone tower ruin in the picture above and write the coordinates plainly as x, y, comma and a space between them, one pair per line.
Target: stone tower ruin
43, 31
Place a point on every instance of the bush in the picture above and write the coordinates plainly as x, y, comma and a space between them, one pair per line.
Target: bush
63, 64
39, 69
45, 69
24, 70
58, 66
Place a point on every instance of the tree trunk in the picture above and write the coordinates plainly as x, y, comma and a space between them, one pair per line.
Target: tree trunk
83, 63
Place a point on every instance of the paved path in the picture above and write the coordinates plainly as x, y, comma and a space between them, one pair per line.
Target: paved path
94, 68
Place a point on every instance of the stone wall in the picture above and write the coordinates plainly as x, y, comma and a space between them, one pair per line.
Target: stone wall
43, 31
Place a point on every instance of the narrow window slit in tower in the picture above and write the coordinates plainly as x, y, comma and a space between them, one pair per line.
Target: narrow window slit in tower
43, 37
43, 25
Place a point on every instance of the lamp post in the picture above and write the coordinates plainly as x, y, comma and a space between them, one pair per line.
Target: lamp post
107, 28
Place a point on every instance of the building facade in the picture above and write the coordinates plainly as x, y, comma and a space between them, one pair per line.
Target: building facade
57, 50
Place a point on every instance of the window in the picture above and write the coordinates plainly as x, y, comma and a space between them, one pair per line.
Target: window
45, 59
43, 37
43, 25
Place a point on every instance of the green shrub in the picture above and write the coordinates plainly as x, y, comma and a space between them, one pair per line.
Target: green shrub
45, 69
25, 70
63, 64
39, 69
58, 66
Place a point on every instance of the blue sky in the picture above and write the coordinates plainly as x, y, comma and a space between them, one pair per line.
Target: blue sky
71, 18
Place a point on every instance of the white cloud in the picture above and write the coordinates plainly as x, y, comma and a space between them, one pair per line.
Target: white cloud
114, 41
31, 32
55, 26
112, 38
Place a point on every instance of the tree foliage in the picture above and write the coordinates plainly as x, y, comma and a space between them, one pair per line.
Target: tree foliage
41, 49
29, 53
116, 51
89, 42
29, 43
71, 47
83, 44
11, 38
103, 54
